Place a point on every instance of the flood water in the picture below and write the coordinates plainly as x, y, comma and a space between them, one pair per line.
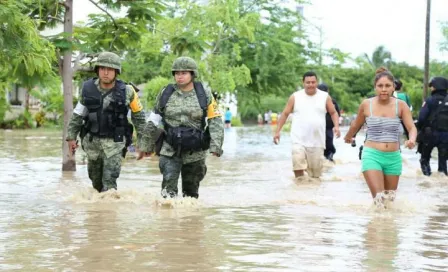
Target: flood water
251, 215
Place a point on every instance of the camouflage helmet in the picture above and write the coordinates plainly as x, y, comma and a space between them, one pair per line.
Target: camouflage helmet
109, 59
185, 64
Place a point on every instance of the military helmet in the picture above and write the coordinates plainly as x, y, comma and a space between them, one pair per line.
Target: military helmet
439, 83
109, 59
185, 64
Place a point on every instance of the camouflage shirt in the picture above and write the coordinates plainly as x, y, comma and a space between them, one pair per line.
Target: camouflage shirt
183, 109
94, 148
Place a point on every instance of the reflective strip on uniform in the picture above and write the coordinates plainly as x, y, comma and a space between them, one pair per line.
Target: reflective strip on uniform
81, 110
213, 110
135, 104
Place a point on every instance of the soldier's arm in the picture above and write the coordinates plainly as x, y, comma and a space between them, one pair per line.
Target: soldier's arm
149, 135
216, 127
76, 121
137, 113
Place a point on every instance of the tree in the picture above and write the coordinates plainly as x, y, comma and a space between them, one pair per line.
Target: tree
380, 57
103, 31
444, 44
25, 57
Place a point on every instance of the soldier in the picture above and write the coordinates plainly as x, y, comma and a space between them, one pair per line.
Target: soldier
433, 126
193, 125
101, 119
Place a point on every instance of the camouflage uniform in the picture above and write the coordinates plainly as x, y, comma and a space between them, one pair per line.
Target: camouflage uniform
182, 109
104, 154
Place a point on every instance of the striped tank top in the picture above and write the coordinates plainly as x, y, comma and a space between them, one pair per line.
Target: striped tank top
383, 129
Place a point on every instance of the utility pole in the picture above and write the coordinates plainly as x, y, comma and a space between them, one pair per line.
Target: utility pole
427, 35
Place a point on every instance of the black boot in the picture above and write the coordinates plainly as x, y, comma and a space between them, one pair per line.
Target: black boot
426, 168
330, 156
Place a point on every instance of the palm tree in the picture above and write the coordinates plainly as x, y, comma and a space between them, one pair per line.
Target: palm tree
380, 57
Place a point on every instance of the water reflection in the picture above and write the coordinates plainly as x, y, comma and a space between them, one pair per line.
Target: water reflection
381, 242
435, 245
251, 215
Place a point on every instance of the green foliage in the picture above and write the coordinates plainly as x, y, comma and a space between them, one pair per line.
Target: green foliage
40, 118
437, 68
250, 108
236, 121
51, 97
24, 120
153, 88
380, 57
4, 107
444, 44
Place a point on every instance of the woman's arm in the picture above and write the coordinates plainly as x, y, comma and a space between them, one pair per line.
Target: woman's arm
357, 124
406, 117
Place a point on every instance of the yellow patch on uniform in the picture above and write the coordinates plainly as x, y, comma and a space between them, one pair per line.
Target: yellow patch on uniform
135, 104
213, 110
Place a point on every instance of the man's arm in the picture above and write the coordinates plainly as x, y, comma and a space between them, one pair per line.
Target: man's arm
336, 106
76, 121
284, 116
334, 116
149, 135
408, 122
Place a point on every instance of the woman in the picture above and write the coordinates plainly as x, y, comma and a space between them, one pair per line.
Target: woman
381, 158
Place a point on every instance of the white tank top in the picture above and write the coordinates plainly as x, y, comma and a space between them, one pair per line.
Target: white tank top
308, 119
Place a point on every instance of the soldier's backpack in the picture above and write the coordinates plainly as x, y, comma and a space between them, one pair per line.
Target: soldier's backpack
202, 99
440, 117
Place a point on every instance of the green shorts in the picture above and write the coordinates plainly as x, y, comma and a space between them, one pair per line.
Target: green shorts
390, 163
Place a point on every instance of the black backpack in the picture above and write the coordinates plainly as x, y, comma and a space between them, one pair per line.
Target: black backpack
202, 99
439, 117
200, 93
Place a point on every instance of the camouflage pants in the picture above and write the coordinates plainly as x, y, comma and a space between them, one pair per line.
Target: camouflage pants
192, 174
103, 172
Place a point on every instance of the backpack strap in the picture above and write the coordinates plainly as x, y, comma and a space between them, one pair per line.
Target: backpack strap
202, 98
166, 94
200, 93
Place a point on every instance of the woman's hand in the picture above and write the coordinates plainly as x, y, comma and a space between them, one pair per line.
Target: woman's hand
347, 140
409, 144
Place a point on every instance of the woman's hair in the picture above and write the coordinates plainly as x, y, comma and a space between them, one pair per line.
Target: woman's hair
383, 72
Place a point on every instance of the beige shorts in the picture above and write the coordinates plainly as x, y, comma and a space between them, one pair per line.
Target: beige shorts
308, 158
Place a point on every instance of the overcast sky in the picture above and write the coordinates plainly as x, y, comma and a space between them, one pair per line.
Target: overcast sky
359, 26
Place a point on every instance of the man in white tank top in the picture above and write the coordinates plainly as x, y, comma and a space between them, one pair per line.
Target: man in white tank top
308, 108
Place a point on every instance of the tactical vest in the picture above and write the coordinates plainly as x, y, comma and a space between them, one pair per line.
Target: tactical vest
186, 138
438, 118
109, 122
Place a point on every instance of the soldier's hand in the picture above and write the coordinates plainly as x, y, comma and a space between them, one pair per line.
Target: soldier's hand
72, 146
141, 154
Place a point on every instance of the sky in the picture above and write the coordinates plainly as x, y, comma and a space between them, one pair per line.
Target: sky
360, 26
